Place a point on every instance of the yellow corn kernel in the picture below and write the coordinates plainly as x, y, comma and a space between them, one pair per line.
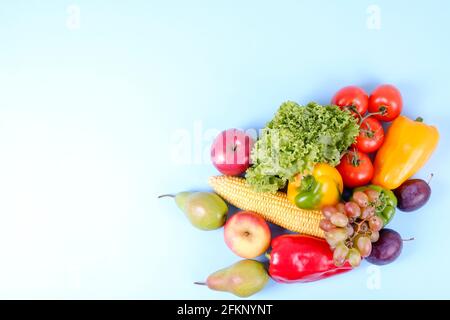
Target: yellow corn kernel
274, 207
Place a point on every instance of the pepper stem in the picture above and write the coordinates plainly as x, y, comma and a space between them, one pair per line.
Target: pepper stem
267, 255
419, 119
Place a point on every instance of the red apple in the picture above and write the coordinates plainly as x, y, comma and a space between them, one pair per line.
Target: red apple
230, 152
247, 234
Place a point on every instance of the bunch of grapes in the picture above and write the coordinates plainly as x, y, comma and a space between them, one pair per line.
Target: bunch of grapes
351, 227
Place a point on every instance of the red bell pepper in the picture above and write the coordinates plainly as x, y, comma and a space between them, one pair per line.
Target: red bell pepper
298, 258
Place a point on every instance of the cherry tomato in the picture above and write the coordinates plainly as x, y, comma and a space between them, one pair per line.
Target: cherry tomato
371, 136
387, 100
356, 169
352, 97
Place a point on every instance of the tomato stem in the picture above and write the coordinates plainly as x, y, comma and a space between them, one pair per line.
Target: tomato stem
368, 132
368, 115
355, 110
355, 159
382, 111
419, 119
344, 153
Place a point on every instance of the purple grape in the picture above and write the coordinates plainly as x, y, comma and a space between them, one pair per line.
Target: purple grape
387, 248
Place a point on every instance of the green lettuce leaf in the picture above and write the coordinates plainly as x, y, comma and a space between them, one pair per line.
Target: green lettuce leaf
296, 139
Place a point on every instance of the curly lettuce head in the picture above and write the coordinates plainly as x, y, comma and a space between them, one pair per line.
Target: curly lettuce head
296, 139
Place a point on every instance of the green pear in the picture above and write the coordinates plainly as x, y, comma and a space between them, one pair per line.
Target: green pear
180, 199
205, 210
242, 279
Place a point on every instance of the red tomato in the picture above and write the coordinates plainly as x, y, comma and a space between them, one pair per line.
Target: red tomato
387, 100
371, 136
352, 97
356, 169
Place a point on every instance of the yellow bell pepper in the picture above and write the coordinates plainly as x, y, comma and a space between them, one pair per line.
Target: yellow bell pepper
407, 147
323, 186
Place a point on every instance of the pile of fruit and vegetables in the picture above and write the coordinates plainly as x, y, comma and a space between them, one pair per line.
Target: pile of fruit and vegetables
329, 174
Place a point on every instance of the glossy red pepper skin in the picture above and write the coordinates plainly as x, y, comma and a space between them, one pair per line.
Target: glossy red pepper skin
299, 258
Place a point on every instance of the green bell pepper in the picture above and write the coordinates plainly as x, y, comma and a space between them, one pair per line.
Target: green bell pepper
388, 201
309, 193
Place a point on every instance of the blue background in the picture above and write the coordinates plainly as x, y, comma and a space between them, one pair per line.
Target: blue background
88, 117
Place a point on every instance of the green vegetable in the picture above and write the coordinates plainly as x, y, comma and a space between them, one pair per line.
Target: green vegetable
309, 194
296, 139
385, 207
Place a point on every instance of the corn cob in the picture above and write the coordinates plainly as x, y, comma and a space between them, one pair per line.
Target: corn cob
275, 208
